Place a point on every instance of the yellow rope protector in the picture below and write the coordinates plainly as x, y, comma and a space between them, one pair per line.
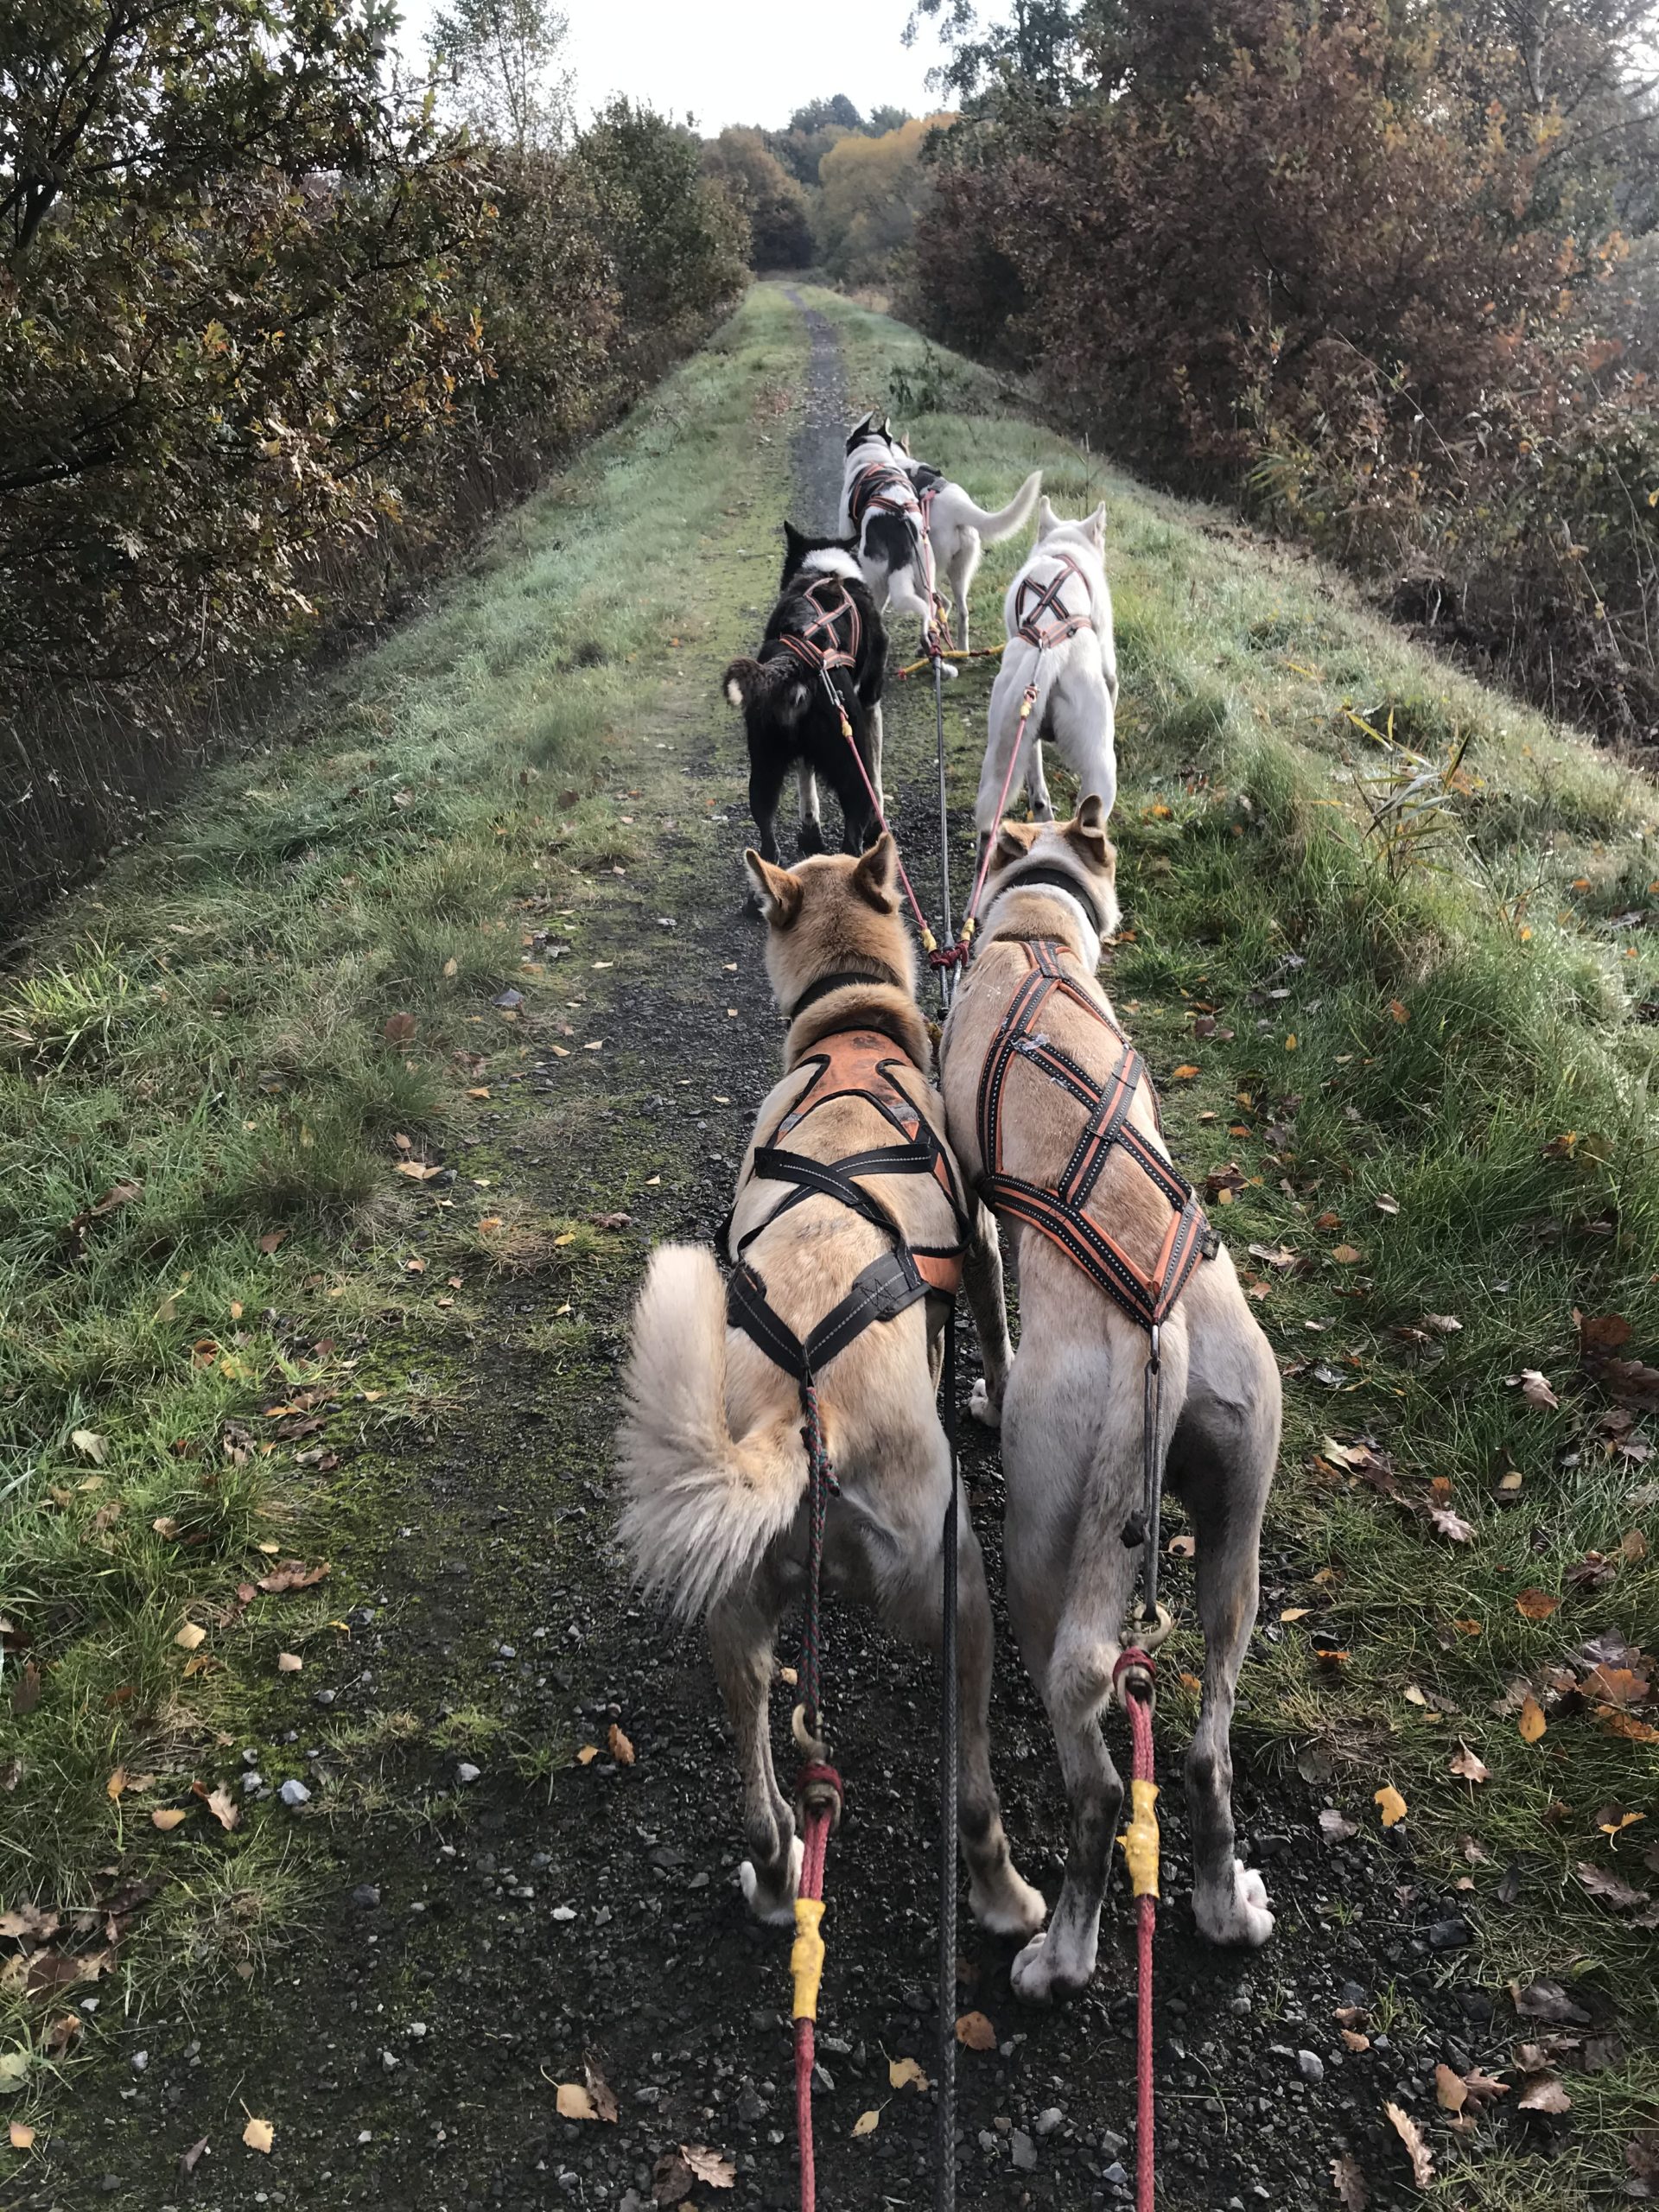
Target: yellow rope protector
1140, 1839
806, 1957
930, 943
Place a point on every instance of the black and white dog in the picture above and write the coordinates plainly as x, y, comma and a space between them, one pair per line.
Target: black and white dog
823, 656
882, 518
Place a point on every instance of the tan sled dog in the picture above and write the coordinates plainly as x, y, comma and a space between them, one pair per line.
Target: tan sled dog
711, 1450
1073, 1410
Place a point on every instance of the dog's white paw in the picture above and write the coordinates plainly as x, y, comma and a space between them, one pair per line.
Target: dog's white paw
1046, 1969
1240, 1917
767, 1906
981, 1406
1007, 1907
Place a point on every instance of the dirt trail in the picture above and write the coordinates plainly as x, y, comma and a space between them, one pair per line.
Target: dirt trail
406, 2042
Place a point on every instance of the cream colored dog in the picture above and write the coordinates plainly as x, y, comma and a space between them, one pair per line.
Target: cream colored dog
1071, 1411
710, 1448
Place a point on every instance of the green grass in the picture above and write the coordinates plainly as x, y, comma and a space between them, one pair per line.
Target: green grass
209, 1070
1418, 1016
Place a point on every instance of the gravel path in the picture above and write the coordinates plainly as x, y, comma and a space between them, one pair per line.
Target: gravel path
408, 2039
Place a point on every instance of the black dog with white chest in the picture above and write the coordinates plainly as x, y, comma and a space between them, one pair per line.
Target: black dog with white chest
823, 656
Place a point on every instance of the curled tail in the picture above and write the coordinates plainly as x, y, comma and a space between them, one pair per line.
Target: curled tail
703, 1505
1006, 520
777, 683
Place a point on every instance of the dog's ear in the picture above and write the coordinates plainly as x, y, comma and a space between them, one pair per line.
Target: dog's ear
1013, 839
1096, 526
793, 538
1087, 832
876, 872
886, 426
860, 429
777, 891
1046, 518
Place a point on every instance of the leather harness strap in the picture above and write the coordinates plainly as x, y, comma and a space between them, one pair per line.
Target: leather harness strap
850, 1064
886, 488
830, 614
1145, 1293
1049, 600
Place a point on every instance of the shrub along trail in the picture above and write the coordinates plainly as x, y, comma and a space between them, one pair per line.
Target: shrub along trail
415, 1034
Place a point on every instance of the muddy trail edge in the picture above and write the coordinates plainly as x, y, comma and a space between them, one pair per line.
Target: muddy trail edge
524, 1803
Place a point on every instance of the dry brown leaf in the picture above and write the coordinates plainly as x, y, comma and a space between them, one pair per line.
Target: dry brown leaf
1535, 1604
1468, 1766
190, 1636
188, 2162
258, 2135
21, 2136
87, 1441
575, 2103
904, 2073
1532, 1722
1391, 1803
1481, 2088
1609, 1887
227, 1814
587, 1755
600, 2091
1535, 1390
292, 1574
1354, 2040
711, 2166
1335, 1826
1451, 1525
1544, 2093
288, 1662
621, 1749
1350, 2185
1345, 1254
866, 2123
975, 2033
1422, 2166
1451, 2092
116, 1784
167, 1817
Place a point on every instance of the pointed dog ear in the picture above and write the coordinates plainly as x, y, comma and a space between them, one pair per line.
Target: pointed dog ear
1088, 833
1046, 518
1096, 525
777, 891
792, 537
874, 877
1013, 839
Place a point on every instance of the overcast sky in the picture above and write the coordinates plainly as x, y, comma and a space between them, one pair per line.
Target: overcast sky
735, 60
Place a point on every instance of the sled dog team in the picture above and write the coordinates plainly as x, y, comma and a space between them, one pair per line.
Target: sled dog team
872, 1189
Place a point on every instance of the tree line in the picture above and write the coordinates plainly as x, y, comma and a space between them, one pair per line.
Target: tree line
1390, 276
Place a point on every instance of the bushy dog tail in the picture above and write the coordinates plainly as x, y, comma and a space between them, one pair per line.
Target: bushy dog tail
1006, 520
703, 1505
777, 683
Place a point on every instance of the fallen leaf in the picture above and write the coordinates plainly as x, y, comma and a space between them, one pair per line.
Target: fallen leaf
227, 1815
292, 1574
116, 1784
190, 1636
1613, 1820
1391, 1804
1535, 1604
165, 1818
1547, 2000
600, 2091
95, 1446
1633, 1547
1345, 1254
575, 2103
1335, 1826
1451, 1525
866, 2123
399, 1028
611, 1220
1451, 2093
1422, 2166
1532, 1722
272, 1238
288, 1662
21, 2136
904, 2073
1482, 2088
1444, 1325
258, 2135
1619, 1685
975, 2033
1544, 2093
587, 1755
621, 1749
1468, 1766
418, 1171
1349, 2182
1610, 1888
1534, 1388
711, 2166
1354, 2040
1385, 1203
1399, 1010
1184, 1073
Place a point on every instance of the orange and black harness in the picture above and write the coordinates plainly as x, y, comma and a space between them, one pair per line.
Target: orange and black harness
857, 1063
887, 489
1048, 598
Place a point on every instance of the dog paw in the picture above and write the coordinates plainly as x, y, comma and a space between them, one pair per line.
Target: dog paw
1239, 1916
1009, 1905
810, 838
771, 1908
1043, 1972
983, 1407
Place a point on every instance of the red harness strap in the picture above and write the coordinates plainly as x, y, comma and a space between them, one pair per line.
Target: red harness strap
1146, 1293
887, 489
1048, 599
820, 644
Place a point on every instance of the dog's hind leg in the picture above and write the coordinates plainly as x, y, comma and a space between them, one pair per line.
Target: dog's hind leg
740, 1637
982, 1278
964, 569
809, 838
766, 783
1222, 1462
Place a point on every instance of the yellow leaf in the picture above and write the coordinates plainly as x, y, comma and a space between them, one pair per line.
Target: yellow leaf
1391, 1804
902, 2073
1345, 1254
86, 1441
1184, 1074
569, 1238
116, 1784
258, 2135
866, 2123
1295, 1612
587, 1755
575, 2103
164, 1819
190, 1636
1532, 1722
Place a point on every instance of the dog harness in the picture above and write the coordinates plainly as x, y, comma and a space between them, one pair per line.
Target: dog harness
820, 644
1145, 1291
850, 1064
1048, 599
884, 489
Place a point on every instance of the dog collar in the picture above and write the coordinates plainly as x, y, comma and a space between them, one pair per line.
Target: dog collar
1061, 880
840, 981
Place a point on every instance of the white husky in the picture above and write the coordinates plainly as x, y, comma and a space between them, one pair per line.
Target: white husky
958, 530
1058, 616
